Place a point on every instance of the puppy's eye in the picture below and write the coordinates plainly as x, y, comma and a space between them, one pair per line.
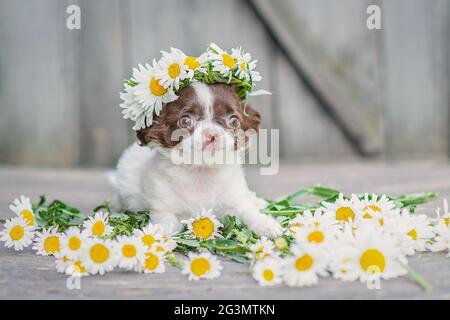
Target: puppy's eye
186, 121
233, 122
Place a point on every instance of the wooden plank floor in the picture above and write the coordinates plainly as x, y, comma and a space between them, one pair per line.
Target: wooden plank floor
24, 275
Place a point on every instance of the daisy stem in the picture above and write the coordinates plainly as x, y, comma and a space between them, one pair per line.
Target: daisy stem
417, 277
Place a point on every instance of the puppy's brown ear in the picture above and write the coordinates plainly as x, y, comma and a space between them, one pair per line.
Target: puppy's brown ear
143, 136
251, 118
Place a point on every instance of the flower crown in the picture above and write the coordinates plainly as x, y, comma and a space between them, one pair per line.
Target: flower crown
152, 86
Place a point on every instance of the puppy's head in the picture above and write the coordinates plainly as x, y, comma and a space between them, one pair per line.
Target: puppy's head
206, 119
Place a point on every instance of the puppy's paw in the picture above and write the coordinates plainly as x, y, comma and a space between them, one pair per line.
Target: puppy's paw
264, 225
260, 203
170, 226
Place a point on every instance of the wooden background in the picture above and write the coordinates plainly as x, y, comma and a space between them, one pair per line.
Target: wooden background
341, 91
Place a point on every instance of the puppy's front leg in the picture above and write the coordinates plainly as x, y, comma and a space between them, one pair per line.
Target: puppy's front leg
167, 220
247, 208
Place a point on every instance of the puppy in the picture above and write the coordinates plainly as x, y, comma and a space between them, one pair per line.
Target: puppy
204, 121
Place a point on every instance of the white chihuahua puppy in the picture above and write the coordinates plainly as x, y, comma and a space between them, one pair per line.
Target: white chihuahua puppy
162, 173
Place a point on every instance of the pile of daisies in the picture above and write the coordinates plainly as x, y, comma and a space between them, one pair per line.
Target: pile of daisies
152, 86
88, 249
349, 238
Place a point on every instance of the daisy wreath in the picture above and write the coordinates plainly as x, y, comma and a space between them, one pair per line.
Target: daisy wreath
154, 85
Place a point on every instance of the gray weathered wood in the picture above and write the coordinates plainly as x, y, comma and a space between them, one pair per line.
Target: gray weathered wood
38, 94
417, 87
24, 275
338, 54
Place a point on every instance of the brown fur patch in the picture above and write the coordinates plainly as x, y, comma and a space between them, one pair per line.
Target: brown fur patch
160, 131
227, 103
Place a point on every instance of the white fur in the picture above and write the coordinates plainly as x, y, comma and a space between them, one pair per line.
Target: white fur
147, 178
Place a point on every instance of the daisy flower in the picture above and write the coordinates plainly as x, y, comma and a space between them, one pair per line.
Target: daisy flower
413, 231
245, 65
129, 252
262, 248
343, 209
194, 64
62, 262
376, 207
445, 218
310, 219
17, 233
377, 252
149, 93
22, 207
172, 68
98, 256
202, 266
267, 272
204, 226
318, 218
149, 235
154, 262
76, 268
133, 110
72, 242
47, 242
441, 240
342, 264
166, 244
222, 61
302, 269
97, 225
315, 236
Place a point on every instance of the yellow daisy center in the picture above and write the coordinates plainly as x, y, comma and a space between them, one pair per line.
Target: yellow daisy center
98, 228
304, 263
99, 253
160, 248
373, 207
203, 228
152, 261
174, 70
316, 236
78, 267
372, 259
413, 234
129, 251
268, 275
228, 61
156, 88
65, 259
344, 214
200, 266
243, 66
148, 240
191, 62
74, 243
259, 252
447, 221
51, 244
28, 216
16, 233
